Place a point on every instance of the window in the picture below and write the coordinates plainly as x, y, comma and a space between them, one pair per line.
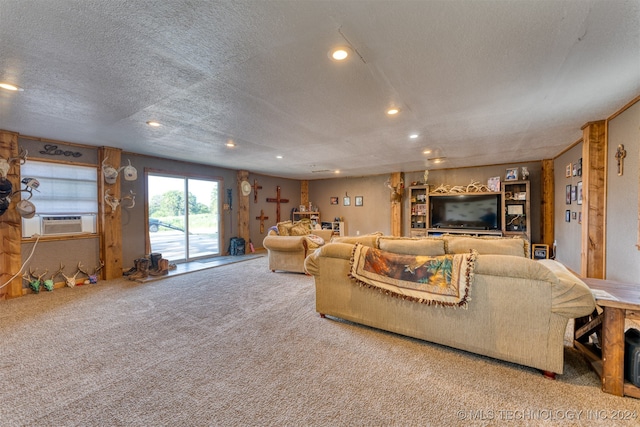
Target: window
69, 190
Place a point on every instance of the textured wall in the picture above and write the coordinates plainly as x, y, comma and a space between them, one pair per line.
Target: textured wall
622, 255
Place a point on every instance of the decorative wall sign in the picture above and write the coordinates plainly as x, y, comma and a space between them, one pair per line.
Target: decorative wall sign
53, 150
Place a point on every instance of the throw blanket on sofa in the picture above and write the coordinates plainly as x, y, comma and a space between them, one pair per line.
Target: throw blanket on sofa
432, 280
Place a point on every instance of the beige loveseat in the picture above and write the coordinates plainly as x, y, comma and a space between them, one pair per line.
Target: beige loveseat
289, 243
518, 308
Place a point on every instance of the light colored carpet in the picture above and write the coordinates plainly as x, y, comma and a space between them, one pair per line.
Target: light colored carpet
238, 345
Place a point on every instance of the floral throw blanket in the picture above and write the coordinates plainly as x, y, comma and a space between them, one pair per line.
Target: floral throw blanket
432, 280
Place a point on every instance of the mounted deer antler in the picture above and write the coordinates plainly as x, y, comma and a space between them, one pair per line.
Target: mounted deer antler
49, 283
396, 192
114, 202
71, 280
93, 278
35, 281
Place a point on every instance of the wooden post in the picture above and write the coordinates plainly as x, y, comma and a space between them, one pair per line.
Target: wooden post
11, 224
613, 350
111, 219
547, 205
243, 208
304, 193
396, 207
594, 161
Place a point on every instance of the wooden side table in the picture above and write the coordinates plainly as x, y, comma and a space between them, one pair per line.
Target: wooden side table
609, 329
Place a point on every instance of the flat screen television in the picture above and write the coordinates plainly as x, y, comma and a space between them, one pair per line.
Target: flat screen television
469, 211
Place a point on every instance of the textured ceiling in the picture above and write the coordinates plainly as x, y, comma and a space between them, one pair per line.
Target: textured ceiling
481, 82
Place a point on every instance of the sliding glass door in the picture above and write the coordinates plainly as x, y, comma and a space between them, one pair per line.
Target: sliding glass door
183, 216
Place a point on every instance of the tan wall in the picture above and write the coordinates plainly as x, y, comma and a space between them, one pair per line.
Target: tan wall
622, 255
372, 216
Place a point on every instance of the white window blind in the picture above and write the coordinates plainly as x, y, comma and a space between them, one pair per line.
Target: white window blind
64, 189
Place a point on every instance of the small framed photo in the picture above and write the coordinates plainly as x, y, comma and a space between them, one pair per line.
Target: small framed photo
567, 216
580, 217
574, 215
494, 184
579, 191
539, 251
346, 201
515, 210
511, 174
580, 166
574, 193
575, 169
359, 201
568, 171
568, 194
334, 200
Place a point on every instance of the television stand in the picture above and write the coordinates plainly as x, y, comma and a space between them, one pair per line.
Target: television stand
465, 231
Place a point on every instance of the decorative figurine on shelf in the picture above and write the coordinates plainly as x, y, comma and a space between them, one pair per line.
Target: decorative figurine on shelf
525, 172
425, 177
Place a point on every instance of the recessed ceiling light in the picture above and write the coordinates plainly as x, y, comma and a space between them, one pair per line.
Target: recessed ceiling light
393, 111
230, 143
413, 136
9, 86
337, 171
339, 53
427, 151
437, 159
279, 157
153, 123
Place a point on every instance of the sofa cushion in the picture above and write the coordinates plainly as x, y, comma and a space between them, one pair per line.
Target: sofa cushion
313, 241
299, 229
487, 245
284, 227
365, 239
430, 246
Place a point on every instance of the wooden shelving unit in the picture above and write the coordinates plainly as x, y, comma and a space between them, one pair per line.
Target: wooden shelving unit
418, 210
314, 217
516, 209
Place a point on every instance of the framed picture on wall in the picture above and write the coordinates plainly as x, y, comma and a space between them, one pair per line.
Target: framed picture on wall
359, 201
574, 193
568, 171
579, 191
346, 201
567, 216
568, 194
334, 200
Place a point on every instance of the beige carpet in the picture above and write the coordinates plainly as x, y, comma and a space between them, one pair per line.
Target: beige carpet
238, 345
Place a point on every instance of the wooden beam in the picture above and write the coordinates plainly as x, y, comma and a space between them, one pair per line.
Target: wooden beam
304, 193
243, 208
111, 219
546, 204
594, 161
11, 224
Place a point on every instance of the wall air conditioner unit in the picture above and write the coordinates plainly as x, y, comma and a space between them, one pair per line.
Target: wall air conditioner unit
61, 224
51, 225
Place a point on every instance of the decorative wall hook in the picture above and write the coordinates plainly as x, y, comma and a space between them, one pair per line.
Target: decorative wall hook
5, 164
109, 172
